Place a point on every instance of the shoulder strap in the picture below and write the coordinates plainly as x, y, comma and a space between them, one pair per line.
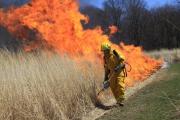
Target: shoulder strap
116, 53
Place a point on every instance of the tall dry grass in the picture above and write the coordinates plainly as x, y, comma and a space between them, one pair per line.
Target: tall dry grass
40, 86
167, 55
45, 87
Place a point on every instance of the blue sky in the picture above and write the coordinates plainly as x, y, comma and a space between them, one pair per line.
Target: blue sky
150, 3
99, 3
156, 3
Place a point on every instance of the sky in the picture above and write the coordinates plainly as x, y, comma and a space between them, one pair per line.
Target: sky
99, 3
157, 3
150, 3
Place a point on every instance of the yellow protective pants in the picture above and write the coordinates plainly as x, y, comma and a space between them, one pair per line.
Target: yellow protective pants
117, 86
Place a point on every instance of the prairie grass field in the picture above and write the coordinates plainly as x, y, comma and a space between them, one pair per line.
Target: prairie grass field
169, 56
38, 86
43, 86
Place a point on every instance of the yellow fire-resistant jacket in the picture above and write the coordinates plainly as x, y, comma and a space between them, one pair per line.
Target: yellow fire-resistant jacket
116, 79
112, 60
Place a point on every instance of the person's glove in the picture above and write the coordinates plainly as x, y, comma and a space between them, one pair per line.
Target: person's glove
106, 84
106, 77
119, 67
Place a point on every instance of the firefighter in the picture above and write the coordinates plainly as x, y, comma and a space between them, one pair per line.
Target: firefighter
114, 72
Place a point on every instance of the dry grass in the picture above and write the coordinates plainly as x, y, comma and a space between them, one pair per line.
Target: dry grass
39, 86
168, 55
42, 87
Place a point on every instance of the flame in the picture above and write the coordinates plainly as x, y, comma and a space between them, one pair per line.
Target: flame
57, 24
113, 29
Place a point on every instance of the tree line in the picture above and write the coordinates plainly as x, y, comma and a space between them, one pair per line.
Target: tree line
153, 28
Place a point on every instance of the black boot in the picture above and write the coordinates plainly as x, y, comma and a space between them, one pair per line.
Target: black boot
121, 104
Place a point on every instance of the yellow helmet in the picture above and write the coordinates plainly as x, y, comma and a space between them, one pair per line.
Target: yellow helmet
105, 46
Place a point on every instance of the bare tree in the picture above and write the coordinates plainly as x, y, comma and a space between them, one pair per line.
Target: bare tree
127, 16
135, 10
114, 10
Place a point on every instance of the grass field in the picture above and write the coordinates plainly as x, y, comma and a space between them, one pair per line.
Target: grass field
34, 86
158, 101
39, 86
169, 56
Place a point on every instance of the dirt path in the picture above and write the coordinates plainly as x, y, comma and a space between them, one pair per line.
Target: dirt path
97, 112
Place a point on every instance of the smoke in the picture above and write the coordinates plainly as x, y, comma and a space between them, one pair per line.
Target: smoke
8, 3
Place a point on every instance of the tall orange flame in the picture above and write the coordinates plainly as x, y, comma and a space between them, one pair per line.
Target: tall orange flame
57, 23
